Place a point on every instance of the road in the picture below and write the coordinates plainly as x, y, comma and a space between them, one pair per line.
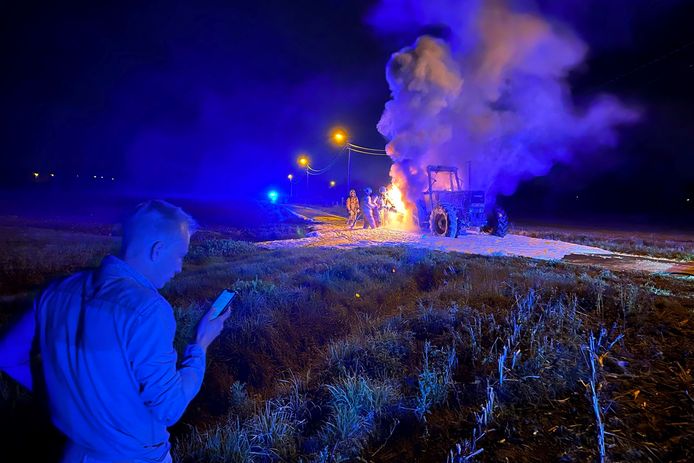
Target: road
331, 231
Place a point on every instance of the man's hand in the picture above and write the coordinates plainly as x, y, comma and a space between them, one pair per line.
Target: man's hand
209, 328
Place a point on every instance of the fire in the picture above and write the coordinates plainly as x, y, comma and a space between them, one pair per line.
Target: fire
400, 216
401, 212
394, 195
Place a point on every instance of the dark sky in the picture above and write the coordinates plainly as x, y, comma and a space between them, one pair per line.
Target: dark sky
219, 98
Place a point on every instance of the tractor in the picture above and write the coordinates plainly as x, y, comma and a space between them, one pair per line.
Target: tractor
448, 210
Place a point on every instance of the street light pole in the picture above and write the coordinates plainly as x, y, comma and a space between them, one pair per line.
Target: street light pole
291, 185
341, 138
303, 161
349, 164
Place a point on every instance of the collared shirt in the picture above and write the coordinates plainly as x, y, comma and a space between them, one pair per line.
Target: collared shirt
105, 339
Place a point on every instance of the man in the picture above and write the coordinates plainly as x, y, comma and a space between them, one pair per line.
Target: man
367, 208
352, 208
385, 206
103, 350
378, 207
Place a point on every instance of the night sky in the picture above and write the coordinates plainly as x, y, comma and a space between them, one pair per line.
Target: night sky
217, 99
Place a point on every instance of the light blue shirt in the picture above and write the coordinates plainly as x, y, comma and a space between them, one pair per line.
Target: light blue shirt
105, 338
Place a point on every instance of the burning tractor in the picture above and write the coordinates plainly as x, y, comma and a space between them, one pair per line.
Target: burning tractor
448, 211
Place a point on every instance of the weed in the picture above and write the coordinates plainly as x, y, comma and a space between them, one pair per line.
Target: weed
356, 402
594, 353
272, 430
240, 404
435, 379
229, 442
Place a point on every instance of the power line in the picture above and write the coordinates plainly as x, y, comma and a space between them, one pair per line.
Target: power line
368, 152
312, 171
352, 145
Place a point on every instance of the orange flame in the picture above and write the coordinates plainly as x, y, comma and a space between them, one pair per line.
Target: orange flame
394, 195
401, 215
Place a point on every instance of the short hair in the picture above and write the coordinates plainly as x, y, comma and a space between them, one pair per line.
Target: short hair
153, 218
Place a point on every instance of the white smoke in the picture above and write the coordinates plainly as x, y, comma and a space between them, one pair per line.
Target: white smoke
494, 94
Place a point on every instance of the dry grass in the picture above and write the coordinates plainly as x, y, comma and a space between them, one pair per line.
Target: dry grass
439, 356
677, 246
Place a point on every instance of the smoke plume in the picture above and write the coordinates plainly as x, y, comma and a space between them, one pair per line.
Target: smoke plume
493, 93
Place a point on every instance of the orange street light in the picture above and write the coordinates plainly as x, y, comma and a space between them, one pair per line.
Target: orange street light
339, 136
303, 162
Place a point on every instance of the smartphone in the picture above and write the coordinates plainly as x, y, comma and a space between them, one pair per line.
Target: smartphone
222, 302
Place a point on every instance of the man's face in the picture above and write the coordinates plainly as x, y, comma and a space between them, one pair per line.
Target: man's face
168, 256
352, 193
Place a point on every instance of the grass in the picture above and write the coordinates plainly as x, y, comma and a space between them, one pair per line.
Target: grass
435, 380
669, 246
441, 357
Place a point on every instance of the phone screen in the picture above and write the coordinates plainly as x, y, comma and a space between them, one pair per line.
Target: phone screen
222, 302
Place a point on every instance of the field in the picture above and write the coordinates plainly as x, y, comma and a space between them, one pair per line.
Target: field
391, 354
677, 246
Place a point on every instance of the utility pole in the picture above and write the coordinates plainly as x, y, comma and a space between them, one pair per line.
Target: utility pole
349, 163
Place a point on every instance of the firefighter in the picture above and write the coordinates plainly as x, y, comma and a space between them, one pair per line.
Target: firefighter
378, 209
385, 206
367, 208
352, 208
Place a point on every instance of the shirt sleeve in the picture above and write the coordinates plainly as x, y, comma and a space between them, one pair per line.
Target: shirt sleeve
165, 389
15, 349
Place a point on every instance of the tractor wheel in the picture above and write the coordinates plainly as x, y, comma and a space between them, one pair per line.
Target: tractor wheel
500, 227
444, 221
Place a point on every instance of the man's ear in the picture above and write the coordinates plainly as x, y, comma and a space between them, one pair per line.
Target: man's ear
155, 250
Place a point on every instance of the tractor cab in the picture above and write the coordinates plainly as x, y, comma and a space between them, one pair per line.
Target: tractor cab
447, 210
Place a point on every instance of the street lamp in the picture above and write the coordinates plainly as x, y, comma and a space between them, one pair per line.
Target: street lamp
303, 162
291, 185
332, 183
341, 138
